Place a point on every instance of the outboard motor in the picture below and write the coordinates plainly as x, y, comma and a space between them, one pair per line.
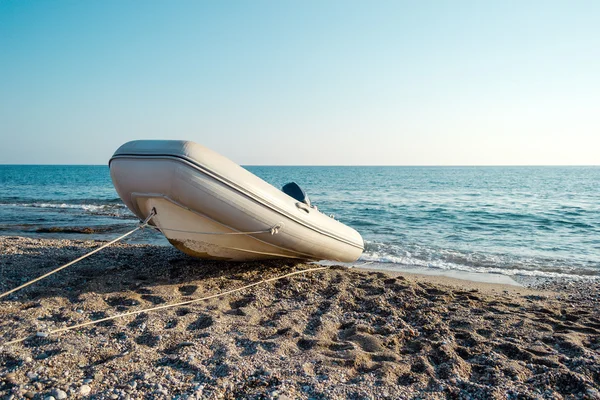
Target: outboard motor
293, 190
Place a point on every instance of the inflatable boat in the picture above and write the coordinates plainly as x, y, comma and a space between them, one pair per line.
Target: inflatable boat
209, 207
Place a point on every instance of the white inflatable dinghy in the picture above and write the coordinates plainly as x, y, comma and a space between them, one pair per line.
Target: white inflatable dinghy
209, 207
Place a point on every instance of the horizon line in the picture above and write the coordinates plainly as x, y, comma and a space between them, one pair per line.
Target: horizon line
342, 165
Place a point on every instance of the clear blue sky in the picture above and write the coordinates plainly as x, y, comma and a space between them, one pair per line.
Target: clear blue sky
303, 82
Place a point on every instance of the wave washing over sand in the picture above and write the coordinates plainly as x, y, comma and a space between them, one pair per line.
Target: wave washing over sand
394, 258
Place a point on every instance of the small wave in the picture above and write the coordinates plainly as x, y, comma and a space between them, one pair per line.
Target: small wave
63, 229
28, 200
112, 208
362, 223
86, 207
79, 229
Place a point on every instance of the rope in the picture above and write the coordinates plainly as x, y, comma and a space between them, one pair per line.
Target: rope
141, 226
273, 231
68, 328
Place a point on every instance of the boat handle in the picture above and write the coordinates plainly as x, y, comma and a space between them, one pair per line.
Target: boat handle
303, 206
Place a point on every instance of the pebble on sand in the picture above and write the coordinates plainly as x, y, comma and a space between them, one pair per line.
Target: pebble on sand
84, 390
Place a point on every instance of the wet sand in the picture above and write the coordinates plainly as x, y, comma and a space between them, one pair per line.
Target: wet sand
338, 333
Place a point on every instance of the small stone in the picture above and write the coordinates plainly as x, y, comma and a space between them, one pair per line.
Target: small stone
59, 394
148, 375
49, 398
593, 393
28, 359
87, 380
84, 390
32, 375
11, 378
41, 334
29, 395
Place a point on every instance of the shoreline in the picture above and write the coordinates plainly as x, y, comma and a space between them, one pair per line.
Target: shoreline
158, 240
337, 333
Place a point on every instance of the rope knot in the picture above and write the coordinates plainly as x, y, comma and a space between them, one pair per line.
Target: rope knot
275, 229
145, 222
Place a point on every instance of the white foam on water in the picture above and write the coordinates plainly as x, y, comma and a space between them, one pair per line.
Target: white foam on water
86, 207
407, 260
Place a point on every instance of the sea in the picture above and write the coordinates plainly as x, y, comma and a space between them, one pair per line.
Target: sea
505, 221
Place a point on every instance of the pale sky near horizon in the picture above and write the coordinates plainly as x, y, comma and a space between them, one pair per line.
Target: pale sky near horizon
303, 82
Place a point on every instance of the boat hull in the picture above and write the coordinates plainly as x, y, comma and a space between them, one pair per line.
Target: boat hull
204, 203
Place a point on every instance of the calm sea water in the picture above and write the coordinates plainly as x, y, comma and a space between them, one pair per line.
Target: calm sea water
536, 221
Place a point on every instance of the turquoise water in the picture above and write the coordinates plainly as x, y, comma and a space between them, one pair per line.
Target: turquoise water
540, 221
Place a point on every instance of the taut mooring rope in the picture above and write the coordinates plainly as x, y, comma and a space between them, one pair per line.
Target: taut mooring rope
141, 226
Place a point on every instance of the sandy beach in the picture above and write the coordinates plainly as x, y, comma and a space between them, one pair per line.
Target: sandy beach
332, 334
